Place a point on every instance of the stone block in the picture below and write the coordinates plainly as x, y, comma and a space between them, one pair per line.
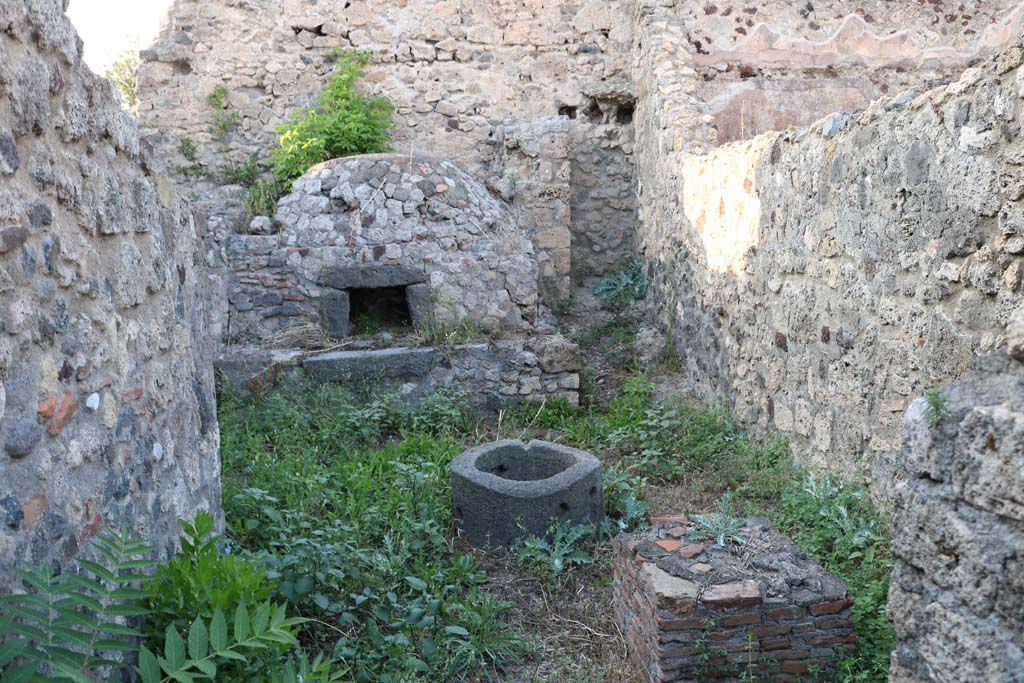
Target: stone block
335, 313
507, 490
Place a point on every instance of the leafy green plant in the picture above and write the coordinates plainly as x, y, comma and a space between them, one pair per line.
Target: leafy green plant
721, 526
936, 406
557, 553
213, 648
342, 123
63, 627
446, 410
354, 525
200, 579
187, 148
623, 288
217, 99
622, 502
122, 73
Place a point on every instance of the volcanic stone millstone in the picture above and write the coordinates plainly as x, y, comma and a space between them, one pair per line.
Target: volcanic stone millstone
507, 490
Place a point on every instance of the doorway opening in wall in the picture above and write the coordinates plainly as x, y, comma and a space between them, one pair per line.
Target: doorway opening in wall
379, 308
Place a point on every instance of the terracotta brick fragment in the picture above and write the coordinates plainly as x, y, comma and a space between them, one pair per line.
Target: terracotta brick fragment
829, 607
68, 407
770, 630
787, 613
733, 594
677, 532
668, 546
794, 667
740, 619
829, 640
691, 550
683, 624
46, 409
827, 624
776, 643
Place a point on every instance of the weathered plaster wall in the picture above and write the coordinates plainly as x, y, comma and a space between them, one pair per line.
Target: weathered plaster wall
770, 65
107, 410
456, 71
957, 596
820, 279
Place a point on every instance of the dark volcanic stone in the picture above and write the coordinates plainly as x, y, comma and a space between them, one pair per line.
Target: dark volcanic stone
23, 438
506, 490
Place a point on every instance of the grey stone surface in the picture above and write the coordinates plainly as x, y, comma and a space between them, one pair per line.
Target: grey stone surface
102, 295
24, 436
334, 312
379, 221
958, 533
508, 490
369, 367
494, 375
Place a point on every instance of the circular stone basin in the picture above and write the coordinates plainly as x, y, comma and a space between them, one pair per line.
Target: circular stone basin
507, 490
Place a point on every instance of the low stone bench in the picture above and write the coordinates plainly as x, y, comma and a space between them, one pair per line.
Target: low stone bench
695, 611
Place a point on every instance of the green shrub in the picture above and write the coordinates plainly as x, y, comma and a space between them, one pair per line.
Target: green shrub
199, 580
342, 123
122, 73
355, 528
721, 527
558, 552
936, 406
445, 411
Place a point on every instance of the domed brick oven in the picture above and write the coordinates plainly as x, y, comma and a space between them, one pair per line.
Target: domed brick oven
387, 237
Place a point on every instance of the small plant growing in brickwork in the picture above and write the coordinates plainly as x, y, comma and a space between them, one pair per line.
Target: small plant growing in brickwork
722, 526
937, 406
261, 199
223, 120
620, 289
342, 123
244, 173
188, 149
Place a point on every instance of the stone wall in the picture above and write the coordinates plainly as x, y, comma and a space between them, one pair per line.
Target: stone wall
456, 71
379, 221
821, 278
494, 374
107, 410
695, 611
957, 596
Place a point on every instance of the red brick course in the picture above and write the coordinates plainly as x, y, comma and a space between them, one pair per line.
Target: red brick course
731, 626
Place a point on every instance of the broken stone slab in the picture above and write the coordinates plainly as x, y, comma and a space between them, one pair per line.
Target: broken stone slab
672, 593
402, 364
